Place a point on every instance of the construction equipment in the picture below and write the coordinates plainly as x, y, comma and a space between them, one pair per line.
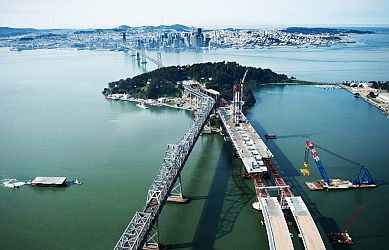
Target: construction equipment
363, 178
238, 100
310, 147
343, 237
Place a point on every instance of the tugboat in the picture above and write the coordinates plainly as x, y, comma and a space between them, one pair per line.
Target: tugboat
76, 181
269, 136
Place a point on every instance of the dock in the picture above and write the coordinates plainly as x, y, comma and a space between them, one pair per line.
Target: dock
276, 226
308, 231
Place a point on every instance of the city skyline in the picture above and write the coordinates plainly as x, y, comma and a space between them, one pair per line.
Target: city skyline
200, 13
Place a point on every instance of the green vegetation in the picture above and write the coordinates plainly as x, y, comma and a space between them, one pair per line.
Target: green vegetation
380, 85
220, 76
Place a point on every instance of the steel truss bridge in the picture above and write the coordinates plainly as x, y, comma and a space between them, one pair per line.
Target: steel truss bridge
143, 228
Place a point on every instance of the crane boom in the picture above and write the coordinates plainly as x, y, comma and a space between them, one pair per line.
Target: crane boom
241, 89
309, 146
356, 213
244, 76
238, 100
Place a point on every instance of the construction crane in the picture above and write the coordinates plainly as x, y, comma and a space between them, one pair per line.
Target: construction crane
310, 147
238, 102
343, 237
362, 180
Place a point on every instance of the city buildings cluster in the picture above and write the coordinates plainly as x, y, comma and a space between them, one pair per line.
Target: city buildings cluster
169, 38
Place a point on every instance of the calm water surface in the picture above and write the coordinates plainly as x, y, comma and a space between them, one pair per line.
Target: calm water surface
55, 122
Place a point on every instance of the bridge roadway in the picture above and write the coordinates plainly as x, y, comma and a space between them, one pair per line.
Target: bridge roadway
139, 229
254, 154
308, 231
276, 227
250, 147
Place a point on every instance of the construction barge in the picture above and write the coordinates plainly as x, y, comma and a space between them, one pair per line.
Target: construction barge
363, 179
336, 184
49, 182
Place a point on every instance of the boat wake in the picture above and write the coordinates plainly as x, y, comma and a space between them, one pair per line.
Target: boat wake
12, 183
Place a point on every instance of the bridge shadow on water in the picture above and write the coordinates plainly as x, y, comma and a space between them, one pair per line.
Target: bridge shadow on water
227, 196
289, 174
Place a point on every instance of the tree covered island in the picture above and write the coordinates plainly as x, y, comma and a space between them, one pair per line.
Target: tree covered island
220, 76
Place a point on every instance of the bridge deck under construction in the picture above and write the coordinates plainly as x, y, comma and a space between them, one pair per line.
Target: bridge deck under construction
308, 230
250, 147
256, 158
276, 227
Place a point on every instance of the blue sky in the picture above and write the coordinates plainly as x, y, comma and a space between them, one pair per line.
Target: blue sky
199, 13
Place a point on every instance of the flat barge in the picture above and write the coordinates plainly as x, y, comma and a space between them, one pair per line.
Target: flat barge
41, 181
336, 184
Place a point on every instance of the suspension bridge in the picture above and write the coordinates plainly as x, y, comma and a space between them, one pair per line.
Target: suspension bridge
140, 53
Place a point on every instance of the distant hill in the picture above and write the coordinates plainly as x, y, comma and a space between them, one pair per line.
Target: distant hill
7, 31
334, 31
177, 27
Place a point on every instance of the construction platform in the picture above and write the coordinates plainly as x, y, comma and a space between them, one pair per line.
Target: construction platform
276, 226
308, 231
249, 146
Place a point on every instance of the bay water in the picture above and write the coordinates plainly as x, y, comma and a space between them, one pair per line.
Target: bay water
54, 121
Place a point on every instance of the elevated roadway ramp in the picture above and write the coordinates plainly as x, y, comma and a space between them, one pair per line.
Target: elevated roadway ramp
276, 227
308, 231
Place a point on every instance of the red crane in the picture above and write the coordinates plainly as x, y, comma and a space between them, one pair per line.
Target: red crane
343, 237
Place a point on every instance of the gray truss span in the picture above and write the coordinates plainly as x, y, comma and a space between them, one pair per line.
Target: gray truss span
137, 231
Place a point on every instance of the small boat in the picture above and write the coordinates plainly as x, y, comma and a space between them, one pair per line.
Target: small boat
141, 105
76, 181
356, 95
270, 136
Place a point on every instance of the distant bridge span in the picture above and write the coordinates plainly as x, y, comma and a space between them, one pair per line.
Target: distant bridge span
142, 53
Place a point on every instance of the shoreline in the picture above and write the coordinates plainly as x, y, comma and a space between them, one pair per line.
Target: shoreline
152, 102
362, 95
384, 107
